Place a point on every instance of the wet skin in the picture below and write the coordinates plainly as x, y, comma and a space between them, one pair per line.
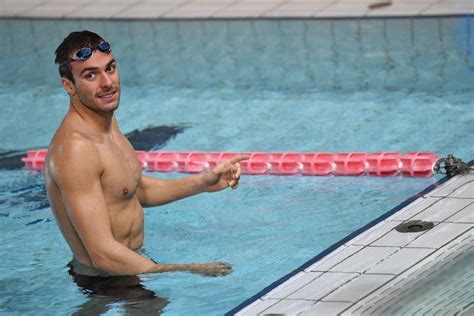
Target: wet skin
94, 181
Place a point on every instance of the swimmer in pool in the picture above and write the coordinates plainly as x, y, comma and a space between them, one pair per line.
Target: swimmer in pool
94, 181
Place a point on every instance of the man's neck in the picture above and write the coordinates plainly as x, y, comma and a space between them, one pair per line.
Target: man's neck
100, 122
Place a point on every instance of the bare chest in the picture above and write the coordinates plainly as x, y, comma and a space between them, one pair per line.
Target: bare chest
122, 172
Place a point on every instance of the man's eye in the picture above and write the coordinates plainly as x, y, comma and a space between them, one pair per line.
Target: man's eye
90, 76
111, 68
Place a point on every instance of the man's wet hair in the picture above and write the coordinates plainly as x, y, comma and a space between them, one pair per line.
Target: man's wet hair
70, 45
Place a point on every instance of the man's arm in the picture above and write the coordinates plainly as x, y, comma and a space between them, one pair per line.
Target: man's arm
76, 169
154, 192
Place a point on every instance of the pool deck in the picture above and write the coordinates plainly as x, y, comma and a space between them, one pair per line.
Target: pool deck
230, 9
370, 272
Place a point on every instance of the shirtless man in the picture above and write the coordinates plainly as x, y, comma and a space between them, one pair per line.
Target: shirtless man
93, 178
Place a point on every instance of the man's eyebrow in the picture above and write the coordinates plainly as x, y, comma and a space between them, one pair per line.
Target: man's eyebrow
88, 69
110, 63
96, 68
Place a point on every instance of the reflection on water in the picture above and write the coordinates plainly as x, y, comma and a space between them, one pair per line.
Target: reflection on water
127, 291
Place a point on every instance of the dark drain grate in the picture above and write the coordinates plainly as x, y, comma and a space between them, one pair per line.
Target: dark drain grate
414, 226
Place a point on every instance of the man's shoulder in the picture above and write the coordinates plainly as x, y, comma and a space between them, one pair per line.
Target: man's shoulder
70, 142
71, 134
69, 148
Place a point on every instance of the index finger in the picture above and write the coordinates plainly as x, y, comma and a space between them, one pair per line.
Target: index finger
238, 158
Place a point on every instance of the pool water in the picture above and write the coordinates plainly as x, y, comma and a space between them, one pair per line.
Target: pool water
272, 224
267, 228
254, 120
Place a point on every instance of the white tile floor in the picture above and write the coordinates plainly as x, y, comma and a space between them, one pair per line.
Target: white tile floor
185, 9
376, 270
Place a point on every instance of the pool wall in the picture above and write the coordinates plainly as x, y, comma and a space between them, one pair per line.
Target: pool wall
303, 54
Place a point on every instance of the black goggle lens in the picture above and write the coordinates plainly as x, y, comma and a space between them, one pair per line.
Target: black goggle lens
83, 54
104, 47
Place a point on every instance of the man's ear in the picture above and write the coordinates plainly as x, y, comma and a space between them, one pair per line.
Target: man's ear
68, 86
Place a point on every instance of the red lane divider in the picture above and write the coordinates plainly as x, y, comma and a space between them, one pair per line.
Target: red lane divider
35, 159
416, 164
352, 164
385, 164
382, 164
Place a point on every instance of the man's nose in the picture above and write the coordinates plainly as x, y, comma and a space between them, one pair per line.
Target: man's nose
106, 80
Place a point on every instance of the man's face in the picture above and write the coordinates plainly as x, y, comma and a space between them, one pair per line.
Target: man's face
97, 82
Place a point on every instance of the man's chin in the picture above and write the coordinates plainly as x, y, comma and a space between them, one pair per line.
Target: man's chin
109, 106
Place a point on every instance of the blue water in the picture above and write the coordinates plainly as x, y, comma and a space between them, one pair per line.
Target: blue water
267, 228
254, 120
399, 95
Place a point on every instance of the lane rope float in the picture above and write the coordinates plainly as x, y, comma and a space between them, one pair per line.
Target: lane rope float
381, 164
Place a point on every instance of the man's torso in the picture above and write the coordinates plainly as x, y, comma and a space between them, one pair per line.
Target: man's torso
120, 178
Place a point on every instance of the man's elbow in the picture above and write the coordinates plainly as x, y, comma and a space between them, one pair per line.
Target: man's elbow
101, 261
102, 258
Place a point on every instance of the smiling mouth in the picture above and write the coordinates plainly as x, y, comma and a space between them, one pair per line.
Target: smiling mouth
108, 95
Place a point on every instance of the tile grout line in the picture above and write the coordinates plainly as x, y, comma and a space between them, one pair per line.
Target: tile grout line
33, 6
458, 187
131, 5
317, 12
321, 298
459, 211
299, 288
213, 15
401, 213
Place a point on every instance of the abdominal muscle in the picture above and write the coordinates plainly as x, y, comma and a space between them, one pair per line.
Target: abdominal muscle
127, 223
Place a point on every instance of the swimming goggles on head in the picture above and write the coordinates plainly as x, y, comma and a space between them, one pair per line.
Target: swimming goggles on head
86, 52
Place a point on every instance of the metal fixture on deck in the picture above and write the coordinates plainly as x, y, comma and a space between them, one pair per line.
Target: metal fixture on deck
451, 166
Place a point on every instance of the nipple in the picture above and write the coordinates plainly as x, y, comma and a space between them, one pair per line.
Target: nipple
125, 191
